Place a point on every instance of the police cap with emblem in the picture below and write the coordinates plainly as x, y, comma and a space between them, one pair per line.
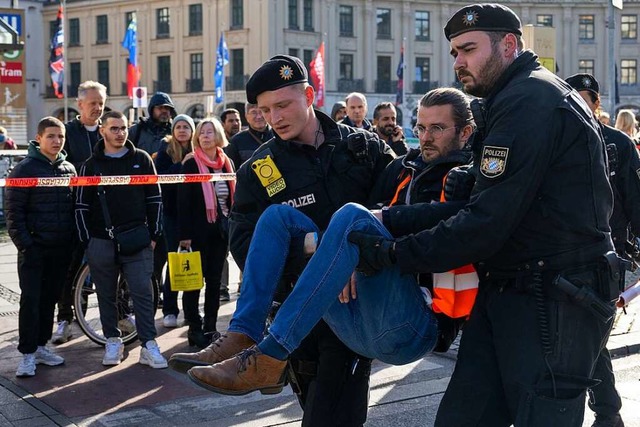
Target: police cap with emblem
278, 72
483, 17
584, 81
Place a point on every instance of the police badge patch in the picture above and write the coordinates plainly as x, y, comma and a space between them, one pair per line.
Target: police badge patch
494, 161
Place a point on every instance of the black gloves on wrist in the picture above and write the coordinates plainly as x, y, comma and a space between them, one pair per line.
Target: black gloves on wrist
376, 252
458, 184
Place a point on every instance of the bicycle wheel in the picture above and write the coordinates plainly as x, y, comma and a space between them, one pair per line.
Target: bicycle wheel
88, 316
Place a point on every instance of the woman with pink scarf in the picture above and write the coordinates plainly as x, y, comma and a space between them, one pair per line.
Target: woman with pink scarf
203, 211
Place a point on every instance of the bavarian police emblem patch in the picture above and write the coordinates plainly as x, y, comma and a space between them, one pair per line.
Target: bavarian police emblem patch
494, 161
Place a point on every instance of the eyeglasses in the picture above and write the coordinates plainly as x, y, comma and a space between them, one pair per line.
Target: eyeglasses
117, 130
435, 131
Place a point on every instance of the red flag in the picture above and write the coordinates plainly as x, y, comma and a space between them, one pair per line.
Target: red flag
317, 75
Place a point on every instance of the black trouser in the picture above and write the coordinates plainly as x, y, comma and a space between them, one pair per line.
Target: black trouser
213, 251
502, 375
160, 259
604, 399
333, 380
42, 271
65, 302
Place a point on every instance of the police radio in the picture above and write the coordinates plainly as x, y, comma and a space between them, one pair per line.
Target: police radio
478, 112
357, 144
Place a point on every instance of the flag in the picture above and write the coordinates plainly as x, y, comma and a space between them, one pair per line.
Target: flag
222, 59
617, 93
317, 75
400, 74
56, 60
130, 42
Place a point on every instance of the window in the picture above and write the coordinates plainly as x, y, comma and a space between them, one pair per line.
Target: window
586, 66
103, 73
102, 29
194, 84
162, 23
346, 21
423, 69
236, 59
294, 52
74, 32
629, 27
195, 19
196, 66
163, 83
237, 14
307, 57
128, 17
308, 15
544, 20
53, 29
422, 25
383, 22
75, 78
293, 15
383, 83
422, 83
346, 66
586, 27
629, 72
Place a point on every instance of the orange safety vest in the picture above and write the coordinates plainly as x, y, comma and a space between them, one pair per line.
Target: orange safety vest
455, 291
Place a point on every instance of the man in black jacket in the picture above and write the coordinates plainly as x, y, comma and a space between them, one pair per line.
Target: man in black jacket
40, 223
127, 208
148, 133
388, 130
624, 162
244, 143
81, 136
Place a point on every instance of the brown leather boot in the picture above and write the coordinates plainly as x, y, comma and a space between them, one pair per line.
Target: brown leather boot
227, 345
248, 371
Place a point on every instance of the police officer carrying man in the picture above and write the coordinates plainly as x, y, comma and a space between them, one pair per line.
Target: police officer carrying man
316, 166
624, 161
537, 228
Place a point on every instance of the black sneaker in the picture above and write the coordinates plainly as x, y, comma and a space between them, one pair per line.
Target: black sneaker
224, 296
608, 421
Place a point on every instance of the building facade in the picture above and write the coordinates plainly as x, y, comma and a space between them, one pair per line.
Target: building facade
177, 41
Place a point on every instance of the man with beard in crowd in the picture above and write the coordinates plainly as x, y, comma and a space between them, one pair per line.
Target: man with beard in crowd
386, 126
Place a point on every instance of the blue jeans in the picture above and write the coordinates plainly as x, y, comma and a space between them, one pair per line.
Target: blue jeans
389, 320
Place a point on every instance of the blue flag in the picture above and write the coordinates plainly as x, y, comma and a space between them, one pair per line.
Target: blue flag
56, 59
222, 59
400, 74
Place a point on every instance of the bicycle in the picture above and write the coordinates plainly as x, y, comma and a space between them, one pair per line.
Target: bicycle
85, 302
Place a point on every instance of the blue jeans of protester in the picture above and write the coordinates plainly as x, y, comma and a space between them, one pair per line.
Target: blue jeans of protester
389, 320
137, 269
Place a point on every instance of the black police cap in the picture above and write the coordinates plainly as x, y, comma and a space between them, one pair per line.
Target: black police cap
584, 81
278, 72
483, 17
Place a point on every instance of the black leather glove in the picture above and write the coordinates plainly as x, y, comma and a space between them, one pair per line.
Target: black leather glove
376, 252
458, 184
357, 144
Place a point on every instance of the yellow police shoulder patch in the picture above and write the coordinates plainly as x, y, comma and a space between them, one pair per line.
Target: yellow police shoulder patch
269, 175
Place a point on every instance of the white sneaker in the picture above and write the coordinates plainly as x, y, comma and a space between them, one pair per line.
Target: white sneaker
27, 366
62, 333
47, 357
113, 352
150, 355
170, 321
128, 324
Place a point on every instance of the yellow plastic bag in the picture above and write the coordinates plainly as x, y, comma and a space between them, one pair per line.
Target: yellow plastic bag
185, 271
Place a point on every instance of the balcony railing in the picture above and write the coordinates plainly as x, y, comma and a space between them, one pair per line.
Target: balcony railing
162, 86
350, 85
386, 86
237, 82
193, 85
420, 88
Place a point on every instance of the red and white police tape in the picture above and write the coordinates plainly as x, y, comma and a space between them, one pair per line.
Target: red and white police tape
88, 181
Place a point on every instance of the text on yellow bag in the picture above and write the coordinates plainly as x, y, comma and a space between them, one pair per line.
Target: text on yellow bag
185, 271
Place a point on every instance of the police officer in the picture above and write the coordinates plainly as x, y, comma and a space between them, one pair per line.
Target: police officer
624, 161
316, 166
537, 227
